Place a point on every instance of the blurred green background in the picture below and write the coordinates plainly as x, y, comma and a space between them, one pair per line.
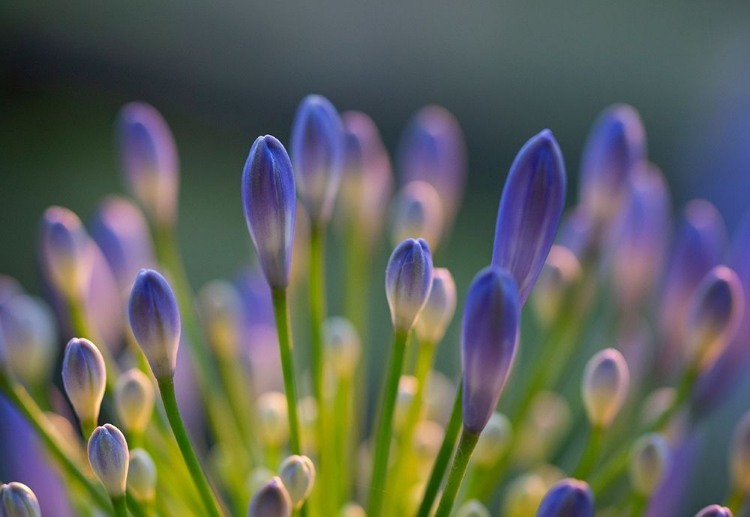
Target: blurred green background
223, 73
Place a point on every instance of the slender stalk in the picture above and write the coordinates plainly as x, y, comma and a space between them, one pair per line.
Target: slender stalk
121, 508
444, 455
342, 420
166, 388
590, 453
138, 508
460, 462
283, 327
385, 430
735, 501
637, 505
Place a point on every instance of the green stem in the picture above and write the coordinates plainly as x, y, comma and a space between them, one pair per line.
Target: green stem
735, 501
283, 327
638, 505
121, 508
342, 416
166, 388
444, 455
139, 508
590, 453
385, 430
460, 462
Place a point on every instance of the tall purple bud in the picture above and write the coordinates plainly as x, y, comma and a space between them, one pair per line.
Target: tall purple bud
148, 158
530, 210
616, 143
408, 280
65, 253
489, 339
317, 145
155, 320
268, 198
568, 498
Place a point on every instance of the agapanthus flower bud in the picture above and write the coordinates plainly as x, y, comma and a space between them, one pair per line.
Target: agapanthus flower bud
426, 441
649, 462
352, 510
605, 385
268, 198
272, 500
317, 145
547, 422
408, 280
417, 212
134, 400
298, 475
221, 308
438, 312
109, 458
715, 312
715, 511
84, 376
489, 340
739, 455
524, 495
407, 390
493, 441
148, 158
343, 346
530, 210
568, 498
273, 422
141, 481
561, 270
472, 508
65, 253
17, 500
616, 143
155, 321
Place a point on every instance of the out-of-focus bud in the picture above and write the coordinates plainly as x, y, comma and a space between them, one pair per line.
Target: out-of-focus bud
273, 421
28, 326
155, 320
342, 345
109, 458
352, 510
417, 212
317, 145
715, 511
258, 477
308, 417
714, 314
426, 442
524, 495
272, 500
577, 232
407, 390
439, 393
148, 159
530, 211
65, 252
560, 271
438, 312
605, 385
134, 400
739, 455
268, 198
472, 508
489, 340
408, 280
17, 500
84, 376
221, 308
141, 480
547, 421
616, 143
568, 498
494, 440
298, 475
656, 404
649, 462
432, 149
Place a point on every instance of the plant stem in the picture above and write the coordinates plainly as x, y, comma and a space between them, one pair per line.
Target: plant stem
590, 453
460, 461
735, 500
121, 508
166, 388
638, 505
138, 508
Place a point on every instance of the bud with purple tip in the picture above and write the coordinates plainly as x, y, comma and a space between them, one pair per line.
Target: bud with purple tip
272, 500
17, 500
268, 198
488, 343
408, 280
439, 309
65, 253
109, 458
418, 212
568, 498
530, 210
84, 376
605, 386
649, 463
715, 511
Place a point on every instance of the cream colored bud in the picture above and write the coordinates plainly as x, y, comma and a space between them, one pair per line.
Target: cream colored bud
352, 510
649, 461
472, 508
605, 385
298, 475
343, 346
141, 476
134, 400
438, 312
493, 441
524, 495
272, 418
407, 388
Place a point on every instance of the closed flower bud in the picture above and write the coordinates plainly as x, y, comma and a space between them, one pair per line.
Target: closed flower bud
268, 198
494, 440
273, 421
155, 320
408, 280
560, 271
221, 308
438, 312
84, 376
489, 340
739, 455
417, 212
547, 422
17, 500
298, 475
148, 158
109, 458
714, 511
65, 252
352, 510
134, 400
426, 441
272, 500
568, 498
472, 508
407, 390
649, 462
530, 211
524, 495
317, 145
605, 385
342, 345
141, 481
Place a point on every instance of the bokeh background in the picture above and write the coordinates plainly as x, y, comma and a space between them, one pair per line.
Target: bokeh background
224, 72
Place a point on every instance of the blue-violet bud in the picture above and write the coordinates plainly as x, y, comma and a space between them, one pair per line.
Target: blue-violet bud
418, 212
109, 458
272, 500
17, 500
568, 498
65, 252
84, 376
408, 280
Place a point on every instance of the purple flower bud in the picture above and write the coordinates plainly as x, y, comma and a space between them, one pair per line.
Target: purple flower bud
155, 321
418, 212
605, 386
270, 207
714, 511
272, 500
17, 500
85, 378
317, 145
109, 458
439, 309
65, 252
489, 339
530, 210
432, 149
148, 158
408, 280
568, 498
649, 463
616, 143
